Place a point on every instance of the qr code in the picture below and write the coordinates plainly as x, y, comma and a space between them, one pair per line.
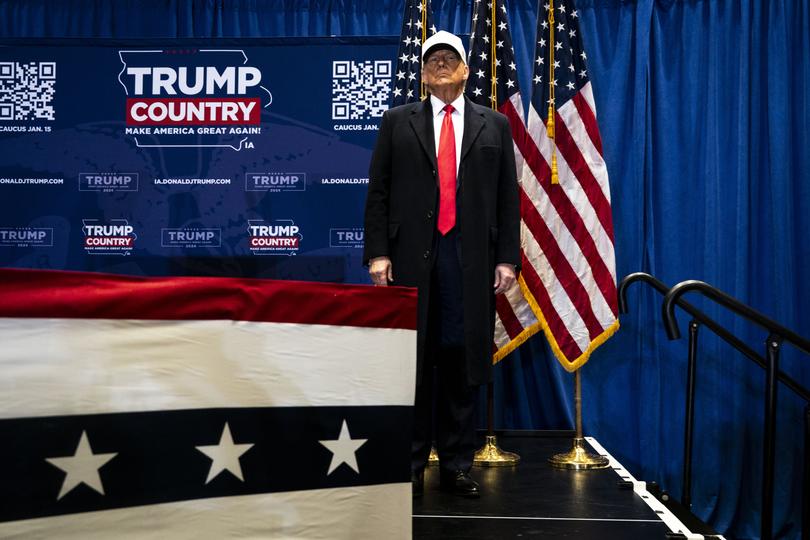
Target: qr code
360, 90
27, 90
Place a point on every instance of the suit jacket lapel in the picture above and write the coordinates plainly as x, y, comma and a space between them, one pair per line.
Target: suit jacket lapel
422, 124
473, 124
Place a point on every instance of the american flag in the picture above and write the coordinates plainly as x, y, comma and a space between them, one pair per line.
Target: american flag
491, 50
569, 269
417, 26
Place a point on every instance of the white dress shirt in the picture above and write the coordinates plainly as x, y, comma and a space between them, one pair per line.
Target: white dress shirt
457, 118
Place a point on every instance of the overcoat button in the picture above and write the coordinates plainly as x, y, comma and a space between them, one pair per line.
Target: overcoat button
427, 254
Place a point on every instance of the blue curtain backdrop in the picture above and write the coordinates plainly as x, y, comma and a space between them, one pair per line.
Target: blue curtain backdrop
704, 109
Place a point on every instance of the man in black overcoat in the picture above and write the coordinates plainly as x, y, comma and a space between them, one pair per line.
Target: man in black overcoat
442, 214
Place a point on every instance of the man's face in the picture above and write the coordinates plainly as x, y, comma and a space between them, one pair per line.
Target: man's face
444, 72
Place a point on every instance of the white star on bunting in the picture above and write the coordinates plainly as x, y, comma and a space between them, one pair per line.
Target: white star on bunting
343, 449
82, 467
225, 455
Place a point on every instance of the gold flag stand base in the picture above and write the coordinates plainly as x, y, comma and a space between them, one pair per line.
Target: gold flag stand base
490, 455
578, 458
433, 459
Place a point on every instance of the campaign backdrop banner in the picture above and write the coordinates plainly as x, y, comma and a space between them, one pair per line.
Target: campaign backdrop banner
204, 407
190, 157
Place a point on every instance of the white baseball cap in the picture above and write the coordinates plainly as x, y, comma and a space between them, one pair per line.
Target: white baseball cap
447, 41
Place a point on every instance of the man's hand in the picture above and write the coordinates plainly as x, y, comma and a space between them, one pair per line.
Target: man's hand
379, 269
504, 278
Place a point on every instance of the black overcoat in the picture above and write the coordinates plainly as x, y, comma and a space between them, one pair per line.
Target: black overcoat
402, 208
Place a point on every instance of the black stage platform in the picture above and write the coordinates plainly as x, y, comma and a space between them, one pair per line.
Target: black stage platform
533, 500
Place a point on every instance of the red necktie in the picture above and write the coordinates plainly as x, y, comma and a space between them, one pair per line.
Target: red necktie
447, 173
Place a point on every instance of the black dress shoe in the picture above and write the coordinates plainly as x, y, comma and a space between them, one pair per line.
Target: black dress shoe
460, 483
417, 483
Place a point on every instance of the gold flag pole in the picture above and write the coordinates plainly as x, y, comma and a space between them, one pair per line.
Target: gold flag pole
551, 105
491, 455
423, 94
493, 97
433, 458
578, 457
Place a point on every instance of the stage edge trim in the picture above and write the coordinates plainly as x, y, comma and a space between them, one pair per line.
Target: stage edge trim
675, 525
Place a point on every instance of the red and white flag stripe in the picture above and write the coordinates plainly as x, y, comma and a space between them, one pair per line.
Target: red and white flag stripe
568, 280
515, 320
569, 264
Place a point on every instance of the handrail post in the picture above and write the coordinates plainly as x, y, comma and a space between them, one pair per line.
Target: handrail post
689, 420
806, 488
772, 346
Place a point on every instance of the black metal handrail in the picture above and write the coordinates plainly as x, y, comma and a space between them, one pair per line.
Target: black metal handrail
777, 335
709, 323
671, 299
773, 344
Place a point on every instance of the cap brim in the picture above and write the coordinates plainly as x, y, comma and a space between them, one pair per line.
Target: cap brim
442, 46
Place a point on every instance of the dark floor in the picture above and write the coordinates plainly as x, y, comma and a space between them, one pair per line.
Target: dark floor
534, 500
